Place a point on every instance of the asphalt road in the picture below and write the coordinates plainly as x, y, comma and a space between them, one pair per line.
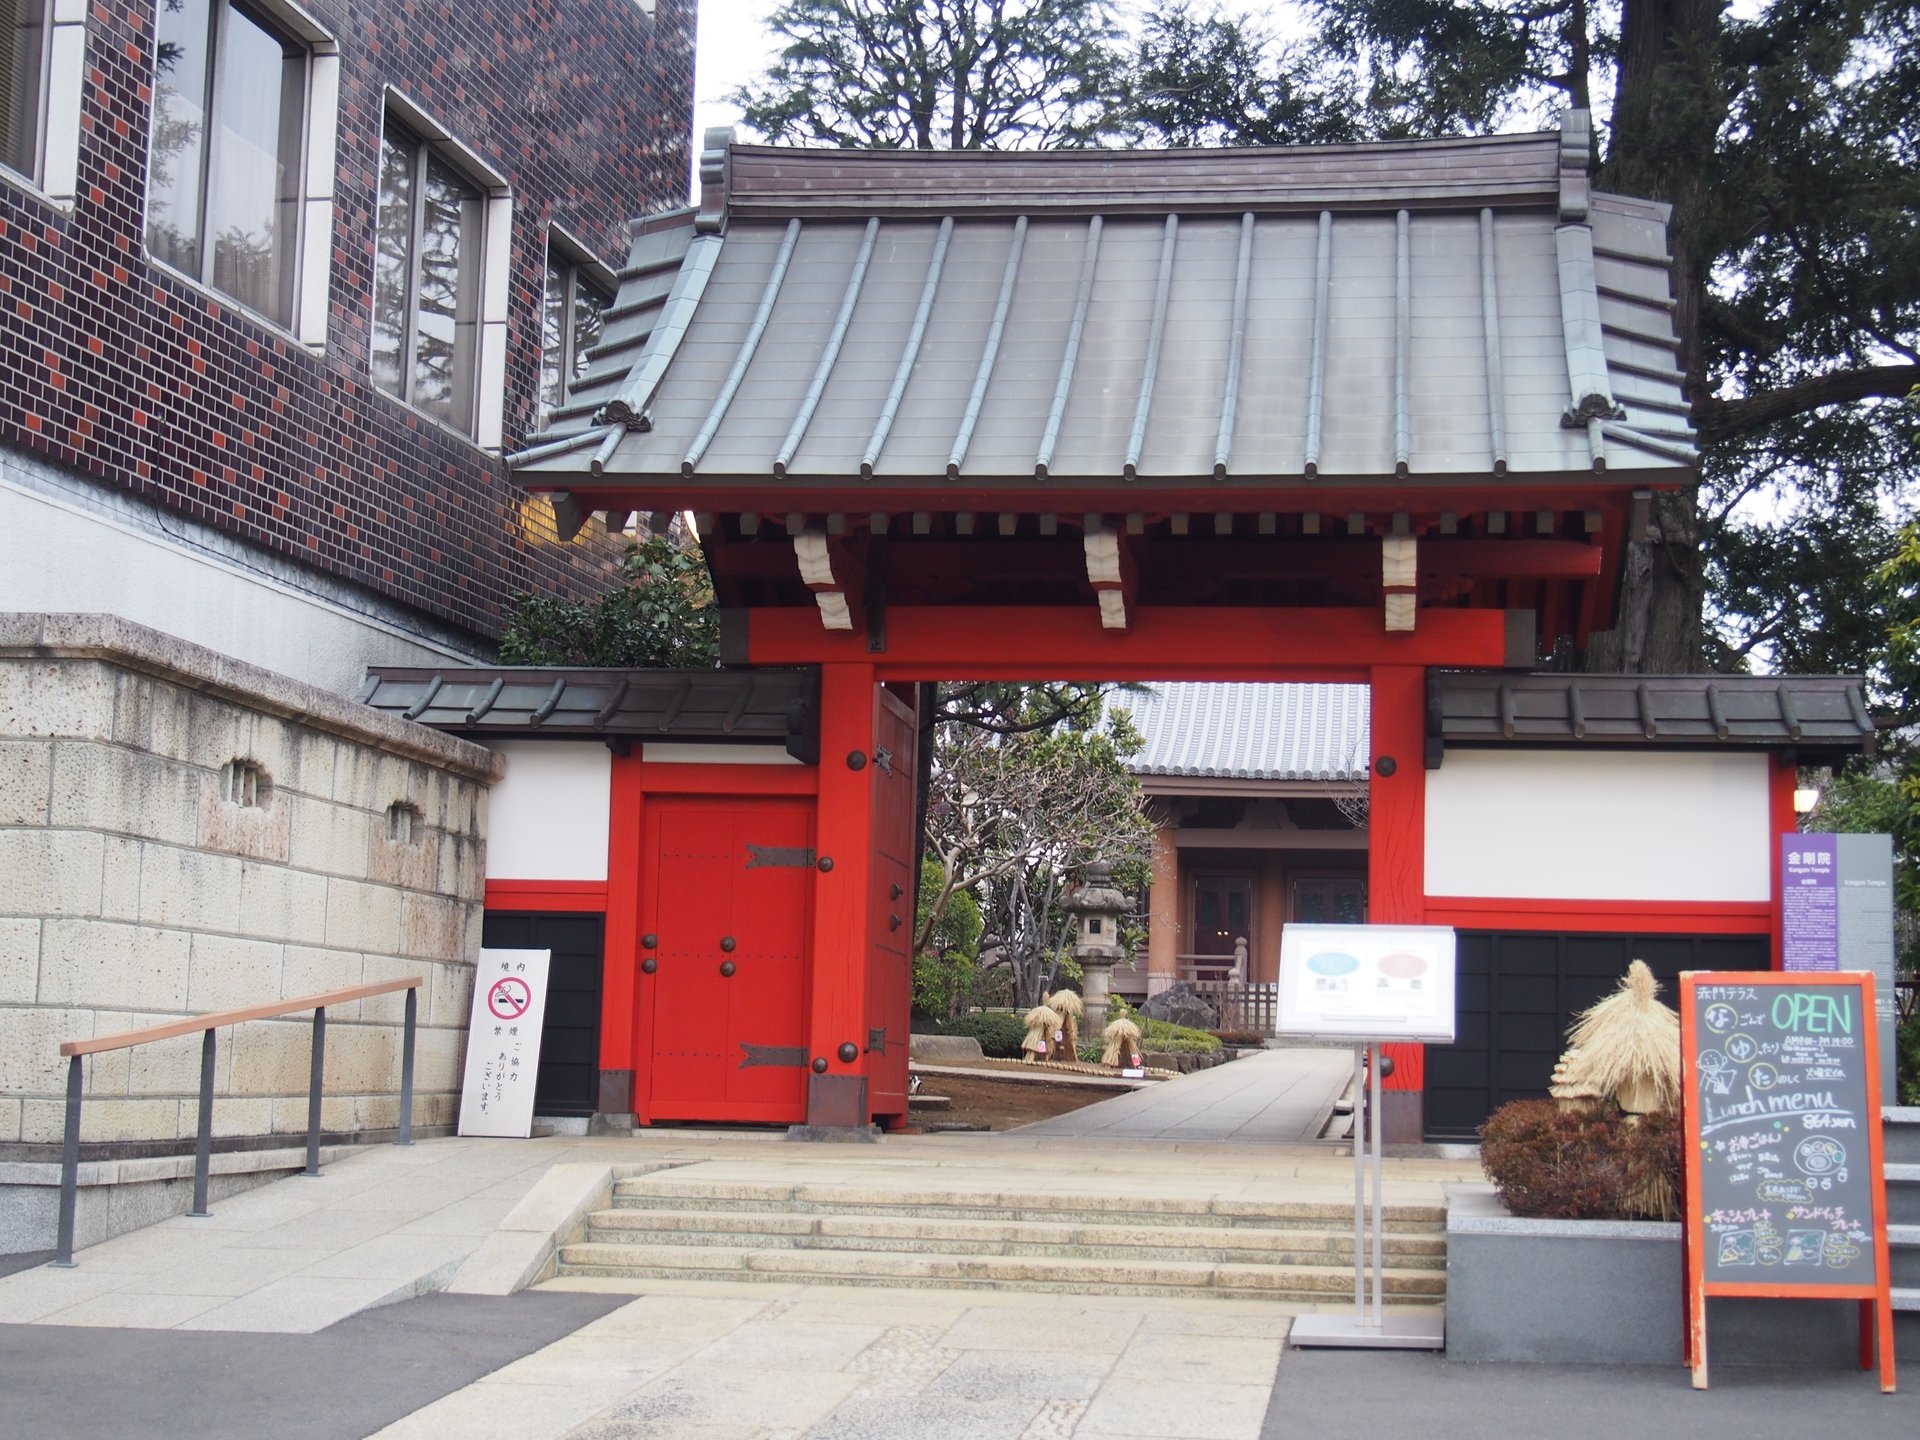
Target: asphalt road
343, 1383
1363, 1394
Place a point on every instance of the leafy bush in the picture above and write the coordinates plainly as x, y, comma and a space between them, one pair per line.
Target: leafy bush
1241, 1039
1560, 1163
1168, 1038
999, 1035
1909, 1048
662, 614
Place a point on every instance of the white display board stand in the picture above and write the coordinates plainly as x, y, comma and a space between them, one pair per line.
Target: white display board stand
1361, 985
503, 1042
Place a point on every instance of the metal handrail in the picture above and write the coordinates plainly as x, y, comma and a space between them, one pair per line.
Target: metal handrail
75, 1050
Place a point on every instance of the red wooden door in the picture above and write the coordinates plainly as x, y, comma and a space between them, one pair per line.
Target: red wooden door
725, 896
890, 951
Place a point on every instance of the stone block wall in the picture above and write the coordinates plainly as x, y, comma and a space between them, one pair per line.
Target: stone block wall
134, 890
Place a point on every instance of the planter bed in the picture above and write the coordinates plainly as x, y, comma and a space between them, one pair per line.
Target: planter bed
1609, 1292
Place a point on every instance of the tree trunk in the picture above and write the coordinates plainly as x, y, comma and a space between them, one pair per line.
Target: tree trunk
1669, 105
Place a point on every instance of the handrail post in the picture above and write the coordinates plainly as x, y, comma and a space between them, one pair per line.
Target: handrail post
203, 1142
69, 1170
313, 1089
406, 1070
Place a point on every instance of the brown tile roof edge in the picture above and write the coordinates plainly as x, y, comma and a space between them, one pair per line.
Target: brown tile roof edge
1809, 713
768, 180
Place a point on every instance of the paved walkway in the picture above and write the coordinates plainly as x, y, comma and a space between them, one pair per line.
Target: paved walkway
1276, 1097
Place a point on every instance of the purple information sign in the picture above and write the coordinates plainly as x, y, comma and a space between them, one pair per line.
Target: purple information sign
1809, 903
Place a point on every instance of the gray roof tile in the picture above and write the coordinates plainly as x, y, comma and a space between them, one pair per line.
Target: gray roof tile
1580, 286
1251, 731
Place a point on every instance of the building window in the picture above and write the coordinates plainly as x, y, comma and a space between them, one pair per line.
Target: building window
23, 71
429, 248
579, 293
224, 187
42, 60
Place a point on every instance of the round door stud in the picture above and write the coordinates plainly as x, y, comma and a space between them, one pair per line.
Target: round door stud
894, 892
849, 1052
856, 760
825, 863
728, 943
819, 1064
726, 968
648, 941
649, 965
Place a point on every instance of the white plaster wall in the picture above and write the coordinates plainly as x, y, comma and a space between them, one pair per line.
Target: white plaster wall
66, 547
684, 753
1618, 825
548, 818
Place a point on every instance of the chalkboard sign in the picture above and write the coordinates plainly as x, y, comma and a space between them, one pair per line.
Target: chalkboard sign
1785, 1185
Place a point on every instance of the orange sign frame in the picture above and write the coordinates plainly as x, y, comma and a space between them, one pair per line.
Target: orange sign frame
1876, 1301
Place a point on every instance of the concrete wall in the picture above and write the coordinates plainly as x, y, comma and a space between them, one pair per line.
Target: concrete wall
132, 891
68, 545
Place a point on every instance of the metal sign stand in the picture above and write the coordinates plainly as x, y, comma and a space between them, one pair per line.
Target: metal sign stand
1371, 1329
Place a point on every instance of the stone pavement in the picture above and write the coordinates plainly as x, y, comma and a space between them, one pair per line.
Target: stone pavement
692, 1361
1277, 1097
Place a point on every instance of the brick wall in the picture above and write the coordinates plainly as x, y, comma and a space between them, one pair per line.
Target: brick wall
145, 381
132, 890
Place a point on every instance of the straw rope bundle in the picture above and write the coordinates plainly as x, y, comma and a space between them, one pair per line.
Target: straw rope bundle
1071, 1008
1122, 1037
1627, 1046
1041, 1024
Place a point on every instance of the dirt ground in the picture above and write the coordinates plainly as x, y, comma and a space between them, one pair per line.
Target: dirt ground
1000, 1104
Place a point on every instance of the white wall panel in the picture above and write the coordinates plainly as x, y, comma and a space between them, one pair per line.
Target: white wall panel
547, 820
658, 752
1570, 825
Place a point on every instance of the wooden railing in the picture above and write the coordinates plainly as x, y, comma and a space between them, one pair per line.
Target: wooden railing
76, 1050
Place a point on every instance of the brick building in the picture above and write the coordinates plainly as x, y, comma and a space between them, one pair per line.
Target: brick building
279, 285
273, 286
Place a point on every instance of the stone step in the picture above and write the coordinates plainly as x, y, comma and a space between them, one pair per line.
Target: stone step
1307, 1284
1906, 1297
1903, 1254
1903, 1194
885, 1233
1900, 1134
1076, 1208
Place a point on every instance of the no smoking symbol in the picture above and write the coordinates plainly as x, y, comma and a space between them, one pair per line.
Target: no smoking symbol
509, 998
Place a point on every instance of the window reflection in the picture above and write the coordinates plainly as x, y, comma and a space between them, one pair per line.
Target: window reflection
223, 187
426, 311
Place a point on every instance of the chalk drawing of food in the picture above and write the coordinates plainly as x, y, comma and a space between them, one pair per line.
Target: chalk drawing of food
1804, 1247
1737, 1247
1820, 1155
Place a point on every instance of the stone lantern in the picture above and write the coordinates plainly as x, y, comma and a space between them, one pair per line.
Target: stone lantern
1097, 909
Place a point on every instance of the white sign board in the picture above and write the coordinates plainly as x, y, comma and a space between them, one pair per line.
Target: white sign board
1367, 982
503, 1042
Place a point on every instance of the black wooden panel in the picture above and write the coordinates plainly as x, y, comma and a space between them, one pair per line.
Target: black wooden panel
569, 1077
1517, 994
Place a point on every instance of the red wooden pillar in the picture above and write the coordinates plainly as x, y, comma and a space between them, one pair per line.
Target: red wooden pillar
842, 909
1783, 819
622, 1078
1396, 860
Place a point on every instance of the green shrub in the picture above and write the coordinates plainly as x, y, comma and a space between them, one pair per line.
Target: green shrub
1168, 1038
1556, 1163
999, 1035
1240, 1039
1909, 1048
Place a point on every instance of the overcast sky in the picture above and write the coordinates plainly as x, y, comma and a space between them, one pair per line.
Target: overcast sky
732, 48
